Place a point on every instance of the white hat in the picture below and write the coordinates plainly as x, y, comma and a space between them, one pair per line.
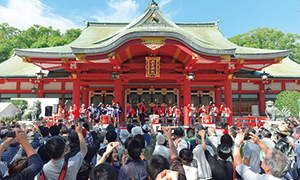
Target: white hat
124, 134
136, 130
160, 139
146, 128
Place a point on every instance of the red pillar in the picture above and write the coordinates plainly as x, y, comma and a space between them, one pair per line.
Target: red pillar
118, 95
186, 100
85, 97
76, 92
218, 99
262, 99
40, 93
228, 96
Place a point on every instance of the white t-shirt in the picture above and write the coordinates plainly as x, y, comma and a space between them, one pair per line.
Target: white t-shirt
162, 150
191, 173
53, 168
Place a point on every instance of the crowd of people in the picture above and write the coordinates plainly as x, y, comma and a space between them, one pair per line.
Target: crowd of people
87, 151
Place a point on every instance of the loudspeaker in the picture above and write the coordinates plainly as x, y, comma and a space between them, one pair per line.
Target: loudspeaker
55, 108
255, 110
48, 111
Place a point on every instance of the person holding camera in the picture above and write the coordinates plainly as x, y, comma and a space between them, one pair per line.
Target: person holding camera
251, 152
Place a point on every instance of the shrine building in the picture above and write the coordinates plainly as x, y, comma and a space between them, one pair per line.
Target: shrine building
151, 60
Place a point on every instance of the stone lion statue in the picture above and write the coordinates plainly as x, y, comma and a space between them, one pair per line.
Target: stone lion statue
275, 113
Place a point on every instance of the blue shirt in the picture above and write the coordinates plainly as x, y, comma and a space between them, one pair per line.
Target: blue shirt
8, 155
147, 138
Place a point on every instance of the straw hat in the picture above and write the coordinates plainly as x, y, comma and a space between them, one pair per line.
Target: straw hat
283, 129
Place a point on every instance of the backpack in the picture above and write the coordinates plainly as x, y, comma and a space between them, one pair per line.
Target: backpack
84, 170
63, 172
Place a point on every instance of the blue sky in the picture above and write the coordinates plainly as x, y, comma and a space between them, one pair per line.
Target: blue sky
236, 16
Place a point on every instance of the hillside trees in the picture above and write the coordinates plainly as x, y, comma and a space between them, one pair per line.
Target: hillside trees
34, 37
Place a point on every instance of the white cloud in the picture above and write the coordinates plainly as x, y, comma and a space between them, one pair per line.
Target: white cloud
23, 14
162, 3
119, 11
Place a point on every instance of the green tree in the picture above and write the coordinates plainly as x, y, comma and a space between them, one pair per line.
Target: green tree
21, 105
34, 37
266, 38
288, 99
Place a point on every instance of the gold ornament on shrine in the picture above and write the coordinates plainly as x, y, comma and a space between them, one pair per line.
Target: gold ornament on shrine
128, 91
200, 93
211, 93
152, 67
163, 91
151, 90
153, 43
175, 91
103, 93
140, 91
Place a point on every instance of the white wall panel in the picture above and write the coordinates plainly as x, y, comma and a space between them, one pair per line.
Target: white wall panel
53, 86
27, 86
250, 86
9, 86
69, 86
274, 86
292, 86
234, 86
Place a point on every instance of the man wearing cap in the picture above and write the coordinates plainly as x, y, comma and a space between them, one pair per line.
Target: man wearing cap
146, 130
180, 143
124, 134
160, 147
282, 143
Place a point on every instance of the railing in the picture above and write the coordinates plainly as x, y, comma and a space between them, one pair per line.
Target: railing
250, 122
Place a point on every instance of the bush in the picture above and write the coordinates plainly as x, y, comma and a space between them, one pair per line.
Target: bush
288, 99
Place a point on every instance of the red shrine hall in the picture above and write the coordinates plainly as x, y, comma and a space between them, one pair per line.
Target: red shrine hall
151, 60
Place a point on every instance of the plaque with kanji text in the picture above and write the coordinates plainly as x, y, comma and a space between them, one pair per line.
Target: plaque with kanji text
152, 67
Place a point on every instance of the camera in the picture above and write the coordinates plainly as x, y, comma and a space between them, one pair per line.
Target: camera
11, 133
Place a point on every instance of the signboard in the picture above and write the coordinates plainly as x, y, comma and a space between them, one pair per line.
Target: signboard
152, 67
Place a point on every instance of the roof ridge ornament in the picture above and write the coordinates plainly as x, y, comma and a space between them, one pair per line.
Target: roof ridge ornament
153, 2
152, 5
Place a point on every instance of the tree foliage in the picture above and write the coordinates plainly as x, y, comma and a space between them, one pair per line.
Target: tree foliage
266, 38
34, 37
21, 105
288, 99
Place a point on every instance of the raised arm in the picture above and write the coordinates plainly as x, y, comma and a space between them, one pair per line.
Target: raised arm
260, 143
173, 151
109, 148
5, 144
82, 144
236, 150
202, 134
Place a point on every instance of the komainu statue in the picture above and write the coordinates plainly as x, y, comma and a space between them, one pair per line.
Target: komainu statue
32, 113
275, 113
